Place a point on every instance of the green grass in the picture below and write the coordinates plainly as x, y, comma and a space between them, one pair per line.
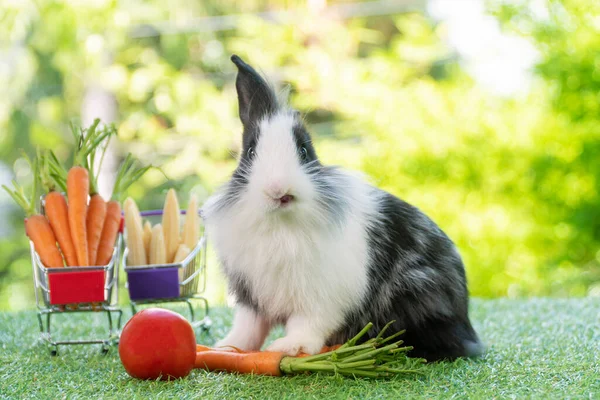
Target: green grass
538, 348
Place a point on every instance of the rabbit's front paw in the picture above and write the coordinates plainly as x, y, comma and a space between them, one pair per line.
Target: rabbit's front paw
292, 346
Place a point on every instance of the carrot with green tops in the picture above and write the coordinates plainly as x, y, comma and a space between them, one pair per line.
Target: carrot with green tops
78, 188
97, 209
98, 212
375, 358
55, 205
94, 223
58, 215
86, 221
110, 229
37, 226
39, 231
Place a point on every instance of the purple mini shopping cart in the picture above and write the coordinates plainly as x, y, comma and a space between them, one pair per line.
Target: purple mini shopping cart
178, 282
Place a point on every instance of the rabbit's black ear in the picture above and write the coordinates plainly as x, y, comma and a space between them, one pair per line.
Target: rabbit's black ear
256, 99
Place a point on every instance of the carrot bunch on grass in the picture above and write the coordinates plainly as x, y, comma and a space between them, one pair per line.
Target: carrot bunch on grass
378, 357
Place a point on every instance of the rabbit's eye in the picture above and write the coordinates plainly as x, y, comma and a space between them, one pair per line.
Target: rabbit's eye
303, 153
251, 153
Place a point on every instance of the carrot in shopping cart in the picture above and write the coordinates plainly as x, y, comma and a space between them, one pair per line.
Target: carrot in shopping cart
37, 226
110, 229
39, 231
78, 188
97, 209
93, 141
102, 219
96, 216
51, 175
57, 213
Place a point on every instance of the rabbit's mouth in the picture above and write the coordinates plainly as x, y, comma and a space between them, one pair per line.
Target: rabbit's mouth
283, 202
286, 199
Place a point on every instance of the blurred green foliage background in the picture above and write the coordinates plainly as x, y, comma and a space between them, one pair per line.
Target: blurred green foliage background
513, 177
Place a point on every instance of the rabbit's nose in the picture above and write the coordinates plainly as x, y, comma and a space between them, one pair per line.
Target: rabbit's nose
276, 190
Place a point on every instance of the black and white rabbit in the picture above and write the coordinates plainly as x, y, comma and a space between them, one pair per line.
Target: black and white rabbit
323, 252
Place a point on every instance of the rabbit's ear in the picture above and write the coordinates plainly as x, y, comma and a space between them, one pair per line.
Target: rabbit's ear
256, 99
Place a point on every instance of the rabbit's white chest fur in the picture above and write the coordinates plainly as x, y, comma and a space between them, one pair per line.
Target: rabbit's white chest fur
293, 268
291, 271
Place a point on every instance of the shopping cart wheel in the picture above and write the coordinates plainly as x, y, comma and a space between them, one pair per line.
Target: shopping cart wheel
206, 324
54, 352
104, 350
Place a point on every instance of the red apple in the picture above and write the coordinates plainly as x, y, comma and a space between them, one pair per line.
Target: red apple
157, 343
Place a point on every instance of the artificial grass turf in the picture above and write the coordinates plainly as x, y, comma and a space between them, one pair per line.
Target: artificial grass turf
539, 348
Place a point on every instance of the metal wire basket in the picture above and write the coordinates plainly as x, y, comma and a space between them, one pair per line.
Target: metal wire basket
165, 283
77, 289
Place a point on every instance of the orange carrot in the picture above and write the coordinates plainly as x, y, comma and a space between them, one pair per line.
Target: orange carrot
78, 188
96, 215
57, 213
81, 183
372, 358
39, 231
109, 232
259, 363
37, 226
